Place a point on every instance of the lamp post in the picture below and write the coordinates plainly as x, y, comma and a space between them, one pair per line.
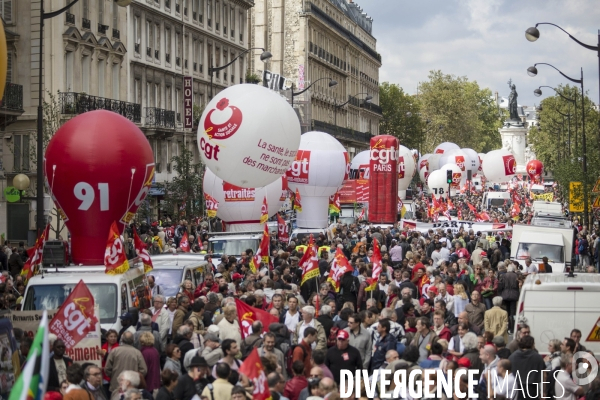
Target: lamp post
538, 92
366, 100
532, 34
211, 70
332, 83
532, 71
40, 222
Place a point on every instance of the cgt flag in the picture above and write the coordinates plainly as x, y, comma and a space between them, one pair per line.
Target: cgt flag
339, 266
283, 231
262, 254
35, 255
142, 252
264, 211
247, 315
115, 259
76, 317
212, 205
334, 203
377, 268
184, 245
297, 201
33, 381
310, 262
252, 367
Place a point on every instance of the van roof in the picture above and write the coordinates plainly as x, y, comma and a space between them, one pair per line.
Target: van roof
560, 282
176, 264
87, 273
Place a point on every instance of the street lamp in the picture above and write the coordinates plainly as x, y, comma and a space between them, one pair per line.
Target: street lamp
211, 70
40, 222
532, 71
366, 100
538, 92
332, 83
532, 34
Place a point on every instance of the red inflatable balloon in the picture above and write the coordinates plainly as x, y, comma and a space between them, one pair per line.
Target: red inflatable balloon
99, 167
534, 169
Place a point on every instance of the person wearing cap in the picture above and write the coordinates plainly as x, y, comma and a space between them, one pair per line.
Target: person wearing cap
126, 325
342, 356
186, 384
501, 350
212, 351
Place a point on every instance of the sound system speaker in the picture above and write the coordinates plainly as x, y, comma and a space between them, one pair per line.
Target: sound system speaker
54, 254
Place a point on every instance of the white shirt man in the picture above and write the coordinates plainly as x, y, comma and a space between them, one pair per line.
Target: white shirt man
444, 295
292, 316
564, 387
503, 381
530, 268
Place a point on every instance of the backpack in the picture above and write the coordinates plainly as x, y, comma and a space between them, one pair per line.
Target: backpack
289, 358
247, 349
582, 248
332, 339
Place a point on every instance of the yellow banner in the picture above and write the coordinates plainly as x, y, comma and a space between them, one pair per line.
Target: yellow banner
576, 197
545, 196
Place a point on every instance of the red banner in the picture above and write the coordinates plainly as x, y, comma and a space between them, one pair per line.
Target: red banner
237, 193
309, 262
262, 254
254, 370
283, 230
339, 266
297, 201
75, 318
298, 171
212, 206
247, 315
115, 259
35, 255
383, 180
377, 266
185, 244
142, 252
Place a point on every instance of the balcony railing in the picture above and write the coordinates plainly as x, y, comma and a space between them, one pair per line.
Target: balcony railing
372, 107
78, 103
158, 117
70, 18
86, 23
341, 133
116, 34
13, 98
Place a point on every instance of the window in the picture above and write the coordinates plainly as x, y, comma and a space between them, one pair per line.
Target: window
168, 43
116, 81
241, 26
217, 14
147, 94
200, 56
69, 58
101, 12
210, 55
158, 152
157, 41
101, 76
115, 15
85, 74
21, 152
200, 10
177, 45
209, 13
241, 64
148, 34
232, 9
6, 9
157, 102
225, 19
136, 33
86, 9
169, 98
177, 99
137, 87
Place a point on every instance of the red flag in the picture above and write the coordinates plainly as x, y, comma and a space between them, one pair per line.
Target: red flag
283, 230
450, 204
262, 254
459, 214
35, 255
184, 244
264, 211
471, 207
252, 367
361, 217
75, 318
334, 203
514, 212
247, 315
339, 266
212, 206
377, 268
297, 201
115, 259
309, 262
142, 252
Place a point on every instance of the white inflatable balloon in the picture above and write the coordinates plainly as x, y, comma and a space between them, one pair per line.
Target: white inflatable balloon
361, 161
434, 162
457, 177
241, 207
480, 169
444, 147
406, 167
438, 187
474, 164
318, 171
424, 174
423, 161
499, 166
248, 135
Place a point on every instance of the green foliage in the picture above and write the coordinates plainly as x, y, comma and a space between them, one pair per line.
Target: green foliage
459, 111
561, 154
400, 115
197, 110
252, 78
183, 194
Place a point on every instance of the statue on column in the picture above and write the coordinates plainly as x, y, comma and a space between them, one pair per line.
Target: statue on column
513, 107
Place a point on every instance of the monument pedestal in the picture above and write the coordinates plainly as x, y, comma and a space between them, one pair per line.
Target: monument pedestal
514, 139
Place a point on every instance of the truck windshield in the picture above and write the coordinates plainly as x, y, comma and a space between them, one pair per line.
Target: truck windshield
168, 279
51, 297
536, 251
499, 202
233, 247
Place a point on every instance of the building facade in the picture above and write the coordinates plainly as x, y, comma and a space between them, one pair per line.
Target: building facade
316, 39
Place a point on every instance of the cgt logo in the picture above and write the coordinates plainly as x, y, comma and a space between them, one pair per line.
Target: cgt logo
383, 156
222, 122
456, 177
510, 165
298, 171
347, 158
401, 167
460, 161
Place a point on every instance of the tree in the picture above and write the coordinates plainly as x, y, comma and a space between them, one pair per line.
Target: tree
401, 117
467, 113
184, 196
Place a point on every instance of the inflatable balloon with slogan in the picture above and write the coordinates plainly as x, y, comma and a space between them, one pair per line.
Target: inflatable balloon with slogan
406, 167
499, 166
99, 168
248, 135
535, 168
444, 147
383, 184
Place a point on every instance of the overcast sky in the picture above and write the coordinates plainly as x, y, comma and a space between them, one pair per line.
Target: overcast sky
484, 40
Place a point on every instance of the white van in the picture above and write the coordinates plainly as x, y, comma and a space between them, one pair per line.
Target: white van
114, 294
554, 304
170, 270
496, 200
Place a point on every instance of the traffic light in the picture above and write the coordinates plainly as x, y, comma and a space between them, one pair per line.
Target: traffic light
449, 176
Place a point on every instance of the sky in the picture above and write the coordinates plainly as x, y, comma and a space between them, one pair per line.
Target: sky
484, 40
